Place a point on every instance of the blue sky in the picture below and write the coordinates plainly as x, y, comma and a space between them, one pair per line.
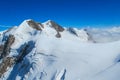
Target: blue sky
75, 13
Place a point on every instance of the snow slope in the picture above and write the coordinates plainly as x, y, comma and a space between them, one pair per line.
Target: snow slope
76, 55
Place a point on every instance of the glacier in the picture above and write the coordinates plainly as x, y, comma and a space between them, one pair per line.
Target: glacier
48, 51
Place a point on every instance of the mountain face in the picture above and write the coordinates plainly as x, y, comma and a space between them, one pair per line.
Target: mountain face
47, 51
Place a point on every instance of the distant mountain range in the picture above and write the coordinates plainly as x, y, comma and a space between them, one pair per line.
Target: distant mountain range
48, 51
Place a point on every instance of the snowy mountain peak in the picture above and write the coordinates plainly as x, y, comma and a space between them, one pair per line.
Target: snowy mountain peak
54, 28
48, 21
31, 23
54, 25
82, 34
46, 51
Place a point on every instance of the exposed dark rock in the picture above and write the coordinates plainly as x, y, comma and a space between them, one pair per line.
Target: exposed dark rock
40, 25
56, 26
6, 63
90, 36
1, 49
7, 46
72, 31
34, 25
8, 32
58, 35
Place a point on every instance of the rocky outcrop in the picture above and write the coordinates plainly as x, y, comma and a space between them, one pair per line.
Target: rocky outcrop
82, 34
58, 35
57, 27
7, 46
40, 25
34, 25
72, 30
6, 63
1, 48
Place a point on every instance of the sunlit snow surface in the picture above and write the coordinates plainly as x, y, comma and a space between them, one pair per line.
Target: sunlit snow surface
70, 57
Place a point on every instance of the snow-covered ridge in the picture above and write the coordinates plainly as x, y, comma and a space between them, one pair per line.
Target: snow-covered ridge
47, 51
51, 28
